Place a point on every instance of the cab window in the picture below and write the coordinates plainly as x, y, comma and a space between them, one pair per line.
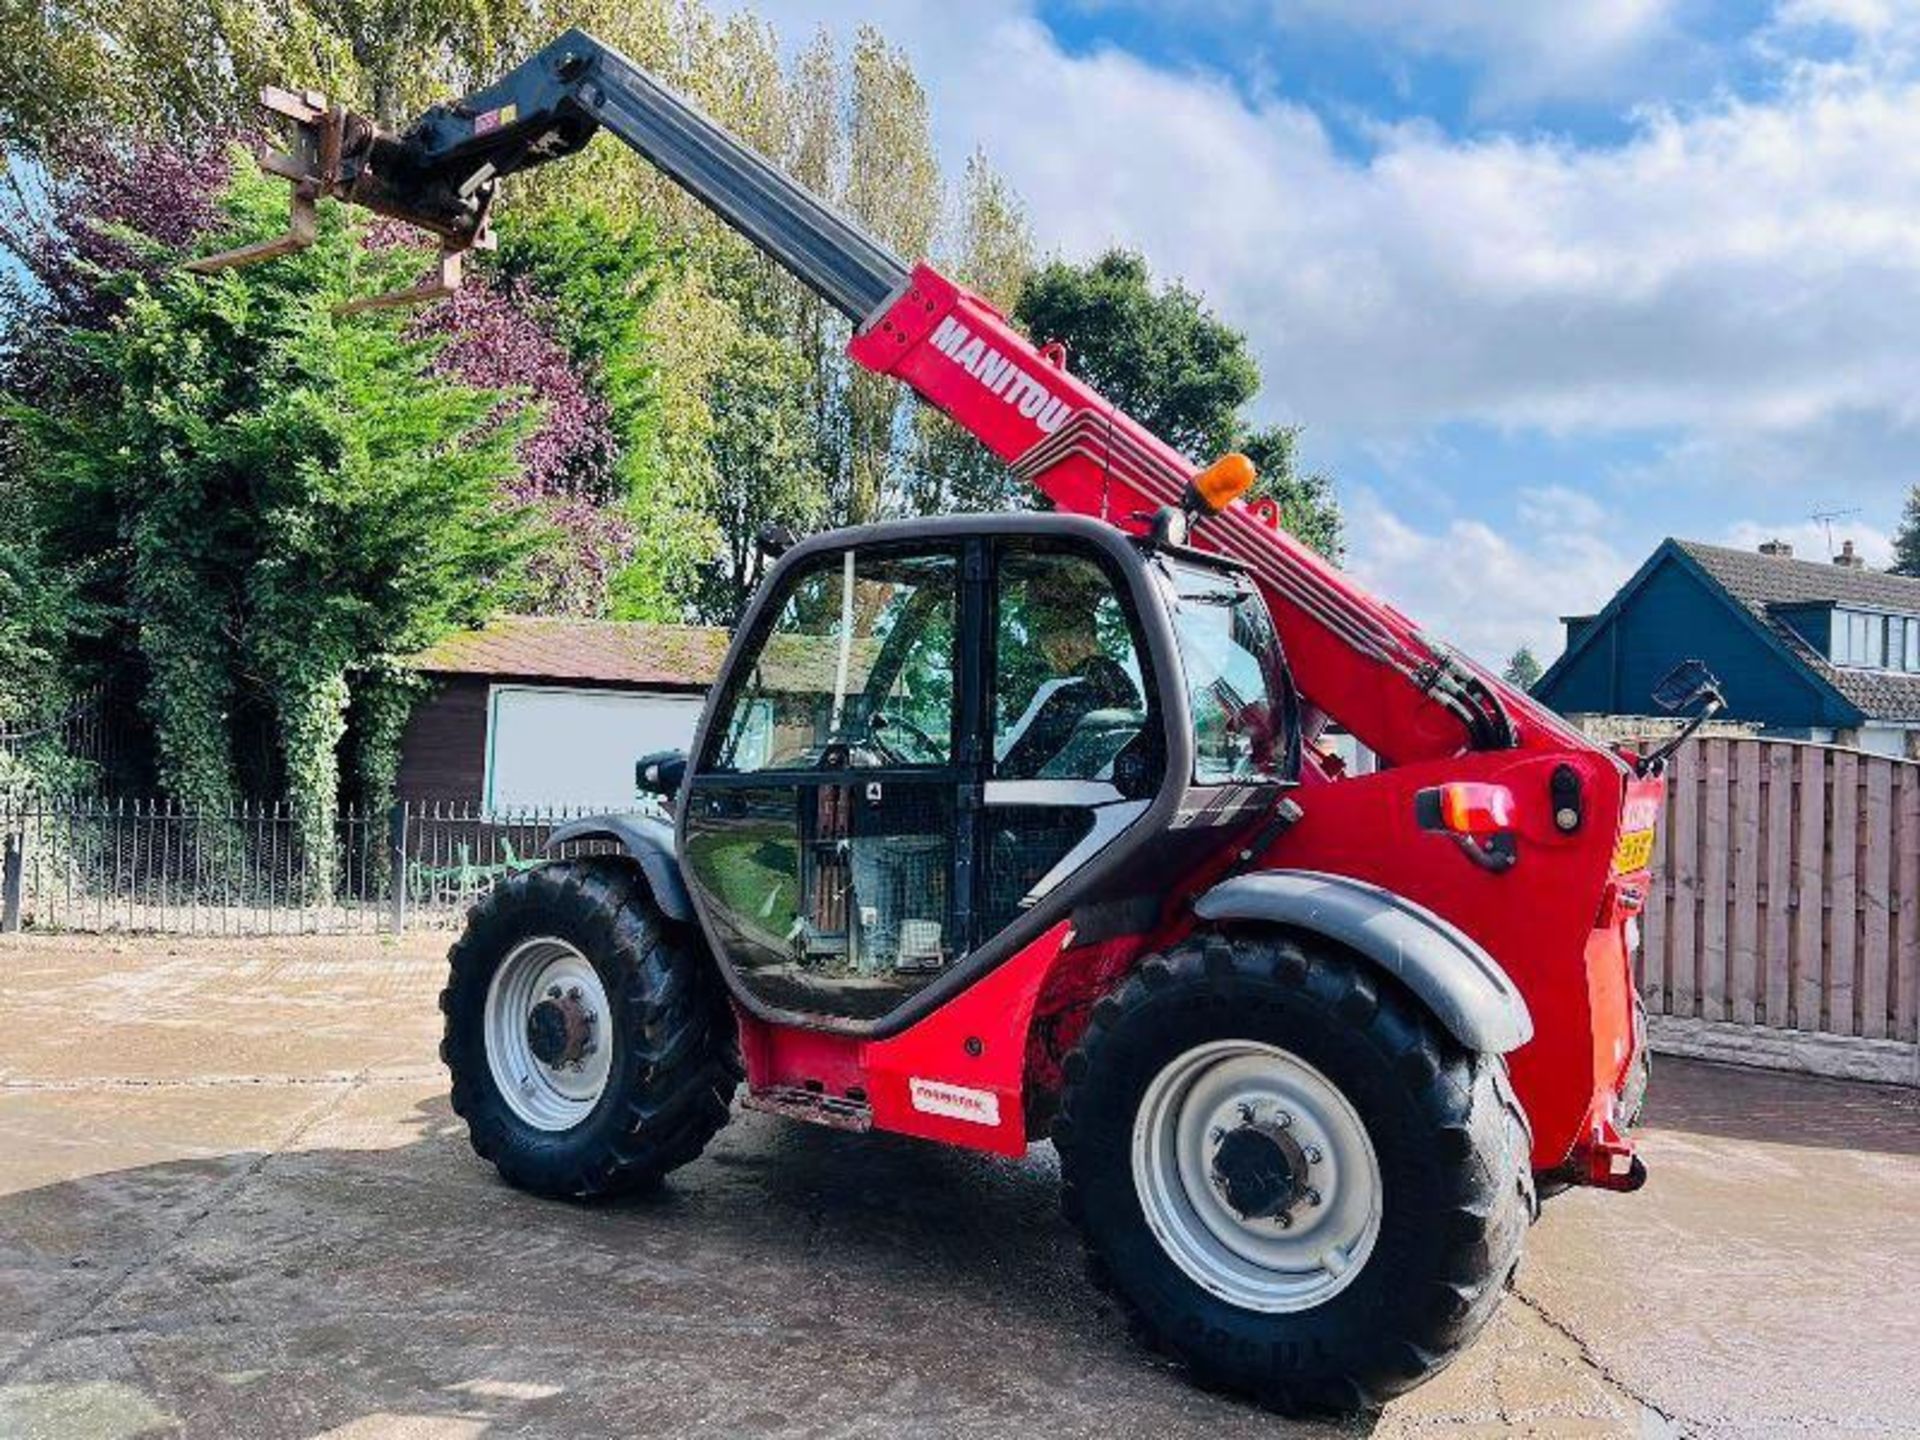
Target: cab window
1234, 674
857, 669
1068, 695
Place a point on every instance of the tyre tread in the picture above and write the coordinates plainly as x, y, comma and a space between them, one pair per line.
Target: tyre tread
1468, 1098
670, 1009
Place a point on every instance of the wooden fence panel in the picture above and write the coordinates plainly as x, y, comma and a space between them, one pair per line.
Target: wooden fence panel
1683, 795
1786, 890
1778, 968
1652, 970
1876, 896
1743, 956
1906, 904
1716, 848
1843, 895
1810, 893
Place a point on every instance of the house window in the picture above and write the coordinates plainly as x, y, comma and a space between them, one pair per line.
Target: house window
1876, 642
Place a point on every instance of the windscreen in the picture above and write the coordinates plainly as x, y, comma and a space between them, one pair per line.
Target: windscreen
1235, 674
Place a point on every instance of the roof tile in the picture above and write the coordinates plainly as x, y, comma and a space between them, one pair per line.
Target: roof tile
1765, 584
614, 652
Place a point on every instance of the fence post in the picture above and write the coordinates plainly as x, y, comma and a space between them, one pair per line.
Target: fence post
397, 878
12, 877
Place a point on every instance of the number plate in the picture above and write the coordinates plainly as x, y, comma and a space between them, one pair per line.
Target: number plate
1633, 852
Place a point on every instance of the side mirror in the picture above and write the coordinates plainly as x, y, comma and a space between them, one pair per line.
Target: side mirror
1685, 685
660, 773
1688, 684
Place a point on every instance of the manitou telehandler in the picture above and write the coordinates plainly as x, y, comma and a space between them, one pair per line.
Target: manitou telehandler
1011, 826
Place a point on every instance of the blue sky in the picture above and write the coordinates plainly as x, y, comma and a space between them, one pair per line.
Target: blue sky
1543, 282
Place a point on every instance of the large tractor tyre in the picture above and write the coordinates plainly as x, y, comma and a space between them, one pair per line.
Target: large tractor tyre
590, 1044
1292, 1179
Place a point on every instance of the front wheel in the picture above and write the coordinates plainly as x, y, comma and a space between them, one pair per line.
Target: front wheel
590, 1045
1294, 1181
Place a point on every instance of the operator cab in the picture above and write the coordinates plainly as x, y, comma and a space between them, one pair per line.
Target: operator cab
933, 741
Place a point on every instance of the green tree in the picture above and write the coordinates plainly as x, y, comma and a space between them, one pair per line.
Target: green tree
1906, 540
1308, 507
764, 463
991, 253
893, 187
299, 499
1162, 356
179, 69
1158, 354
1523, 671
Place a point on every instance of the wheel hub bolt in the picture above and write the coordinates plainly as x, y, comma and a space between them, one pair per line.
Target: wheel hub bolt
1313, 1197
1313, 1154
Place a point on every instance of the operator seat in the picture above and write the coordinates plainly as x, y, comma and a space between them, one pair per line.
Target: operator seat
1057, 709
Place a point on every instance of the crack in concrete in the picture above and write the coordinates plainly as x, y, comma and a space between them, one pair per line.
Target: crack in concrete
105, 1293
1674, 1424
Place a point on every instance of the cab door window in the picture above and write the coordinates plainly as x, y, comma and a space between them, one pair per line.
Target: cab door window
857, 668
1076, 743
1068, 691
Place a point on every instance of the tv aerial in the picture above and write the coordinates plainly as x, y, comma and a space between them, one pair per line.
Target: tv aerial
1825, 519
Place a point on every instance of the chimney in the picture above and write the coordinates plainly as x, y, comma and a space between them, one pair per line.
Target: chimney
1847, 559
1779, 549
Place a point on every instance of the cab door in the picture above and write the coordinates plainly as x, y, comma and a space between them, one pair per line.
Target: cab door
829, 821
1076, 751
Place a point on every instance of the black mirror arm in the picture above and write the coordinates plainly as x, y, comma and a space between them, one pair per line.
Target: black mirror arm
1654, 761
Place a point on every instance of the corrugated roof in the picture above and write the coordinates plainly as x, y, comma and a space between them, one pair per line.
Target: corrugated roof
1768, 584
610, 652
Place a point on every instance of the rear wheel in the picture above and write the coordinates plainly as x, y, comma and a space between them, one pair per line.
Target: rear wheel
1291, 1177
590, 1046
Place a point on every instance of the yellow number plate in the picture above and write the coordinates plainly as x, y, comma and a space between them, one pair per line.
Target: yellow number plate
1633, 852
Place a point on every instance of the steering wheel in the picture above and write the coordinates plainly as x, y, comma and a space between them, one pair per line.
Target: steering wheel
930, 748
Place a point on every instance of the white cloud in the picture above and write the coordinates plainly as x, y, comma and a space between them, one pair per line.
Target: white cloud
1488, 592
1754, 264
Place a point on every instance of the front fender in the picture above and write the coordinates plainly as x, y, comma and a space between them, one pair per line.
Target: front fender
1454, 977
648, 839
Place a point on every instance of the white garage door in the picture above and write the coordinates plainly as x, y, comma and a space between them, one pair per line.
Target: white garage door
552, 748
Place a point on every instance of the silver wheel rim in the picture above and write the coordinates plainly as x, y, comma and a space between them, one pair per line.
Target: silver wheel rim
548, 1097
1318, 1243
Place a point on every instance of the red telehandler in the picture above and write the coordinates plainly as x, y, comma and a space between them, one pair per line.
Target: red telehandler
1012, 826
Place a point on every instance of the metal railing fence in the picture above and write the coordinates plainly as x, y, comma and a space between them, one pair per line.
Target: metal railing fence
257, 869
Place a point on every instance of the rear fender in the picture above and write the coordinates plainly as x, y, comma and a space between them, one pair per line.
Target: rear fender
1454, 977
648, 841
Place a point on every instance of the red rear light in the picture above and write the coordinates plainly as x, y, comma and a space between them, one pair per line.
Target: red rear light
1465, 807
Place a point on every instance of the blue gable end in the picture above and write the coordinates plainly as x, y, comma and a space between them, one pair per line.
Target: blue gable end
1671, 611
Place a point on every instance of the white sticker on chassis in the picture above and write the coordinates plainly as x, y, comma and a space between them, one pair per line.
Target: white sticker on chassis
956, 1102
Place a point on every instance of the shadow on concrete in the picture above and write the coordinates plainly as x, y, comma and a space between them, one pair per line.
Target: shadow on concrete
1733, 1102
794, 1281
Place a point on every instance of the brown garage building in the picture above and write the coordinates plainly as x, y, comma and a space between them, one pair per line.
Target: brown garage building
531, 712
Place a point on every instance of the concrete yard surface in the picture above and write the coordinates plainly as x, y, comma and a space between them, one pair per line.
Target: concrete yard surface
233, 1201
